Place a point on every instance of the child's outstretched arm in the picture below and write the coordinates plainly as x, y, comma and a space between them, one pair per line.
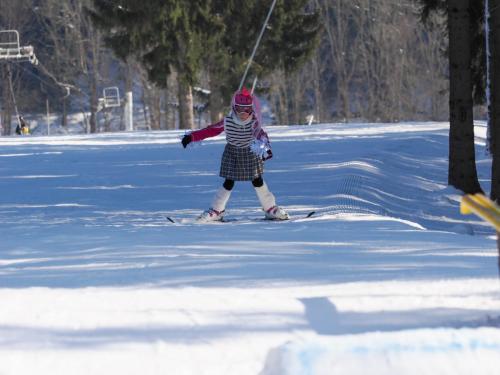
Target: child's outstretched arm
199, 135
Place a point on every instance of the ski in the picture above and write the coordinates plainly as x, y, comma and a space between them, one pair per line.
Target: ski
291, 218
238, 219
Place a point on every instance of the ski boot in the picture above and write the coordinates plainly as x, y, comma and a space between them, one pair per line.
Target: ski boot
211, 215
277, 213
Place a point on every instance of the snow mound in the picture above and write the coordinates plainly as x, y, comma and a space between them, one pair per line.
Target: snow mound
445, 351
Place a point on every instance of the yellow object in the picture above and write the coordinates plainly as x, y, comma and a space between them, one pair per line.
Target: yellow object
25, 130
482, 207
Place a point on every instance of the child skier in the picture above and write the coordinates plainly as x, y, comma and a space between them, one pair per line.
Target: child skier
243, 159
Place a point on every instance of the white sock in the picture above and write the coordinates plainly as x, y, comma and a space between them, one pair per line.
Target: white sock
220, 199
266, 198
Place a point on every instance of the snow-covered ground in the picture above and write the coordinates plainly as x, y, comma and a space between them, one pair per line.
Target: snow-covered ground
386, 278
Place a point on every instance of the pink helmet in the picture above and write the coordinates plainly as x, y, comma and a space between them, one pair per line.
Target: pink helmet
243, 101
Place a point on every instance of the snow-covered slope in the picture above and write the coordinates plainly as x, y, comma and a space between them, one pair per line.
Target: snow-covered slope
95, 280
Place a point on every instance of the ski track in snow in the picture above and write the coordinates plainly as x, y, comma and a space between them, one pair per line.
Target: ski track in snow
386, 274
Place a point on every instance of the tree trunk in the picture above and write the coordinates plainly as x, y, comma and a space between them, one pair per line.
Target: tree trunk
462, 172
494, 110
170, 98
186, 116
107, 121
296, 94
316, 81
343, 86
157, 108
217, 103
6, 102
163, 108
93, 104
64, 116
284, 114
6, 119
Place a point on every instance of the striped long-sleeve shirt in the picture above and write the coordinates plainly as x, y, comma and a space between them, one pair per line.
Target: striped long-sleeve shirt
237, 134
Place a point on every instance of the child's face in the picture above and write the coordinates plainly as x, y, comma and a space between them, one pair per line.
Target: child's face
243, 112
243, 115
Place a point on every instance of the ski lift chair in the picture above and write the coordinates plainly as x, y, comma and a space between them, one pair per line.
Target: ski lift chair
111, 96
10, 49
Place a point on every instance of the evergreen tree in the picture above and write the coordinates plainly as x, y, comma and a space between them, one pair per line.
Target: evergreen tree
217, 35
289, 39
163, 35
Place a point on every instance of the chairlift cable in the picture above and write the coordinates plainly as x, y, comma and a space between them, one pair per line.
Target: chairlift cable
60, 84
56, 85
35, 76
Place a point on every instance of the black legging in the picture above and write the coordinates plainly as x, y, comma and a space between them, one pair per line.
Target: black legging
229, 184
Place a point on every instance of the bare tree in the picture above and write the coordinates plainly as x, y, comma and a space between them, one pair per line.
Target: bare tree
430, 75
14, 15
342, 20
77, 54
375, 61
316, 81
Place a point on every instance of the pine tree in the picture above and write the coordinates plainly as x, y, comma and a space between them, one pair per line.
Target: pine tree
289, 39
217, 35
164, 35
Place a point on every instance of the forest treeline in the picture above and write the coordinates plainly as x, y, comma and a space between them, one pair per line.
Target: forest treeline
336, 60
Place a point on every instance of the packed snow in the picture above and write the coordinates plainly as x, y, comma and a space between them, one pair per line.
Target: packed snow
385, 278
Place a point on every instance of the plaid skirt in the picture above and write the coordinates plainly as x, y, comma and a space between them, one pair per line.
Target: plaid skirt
240, 164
